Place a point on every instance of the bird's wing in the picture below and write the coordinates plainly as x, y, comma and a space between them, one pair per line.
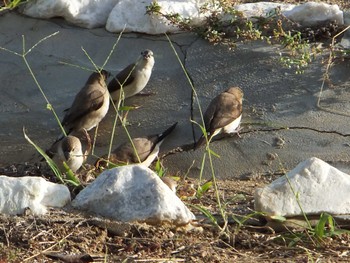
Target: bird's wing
125, 153
89, 99
223, 111
125, 77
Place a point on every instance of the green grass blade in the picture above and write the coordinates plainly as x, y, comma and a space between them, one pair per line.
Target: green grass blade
50, 162
205, 212
71, 178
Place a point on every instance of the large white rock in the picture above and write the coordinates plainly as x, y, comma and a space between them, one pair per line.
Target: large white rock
19, 193
313, 13
319, 187
84, 13
131, 14
133, 193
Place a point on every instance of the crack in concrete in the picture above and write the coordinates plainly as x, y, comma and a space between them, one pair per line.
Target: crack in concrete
190, 147
296, 128
184, 48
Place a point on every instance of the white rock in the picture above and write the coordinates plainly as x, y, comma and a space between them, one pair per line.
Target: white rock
319, 186
133, 193
261, 8
19, 193
312, 13
84, 13
131, 14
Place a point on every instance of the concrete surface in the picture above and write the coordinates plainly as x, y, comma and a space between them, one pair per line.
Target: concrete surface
275, 97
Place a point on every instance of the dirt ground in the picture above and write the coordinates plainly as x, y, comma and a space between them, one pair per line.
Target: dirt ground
28, 238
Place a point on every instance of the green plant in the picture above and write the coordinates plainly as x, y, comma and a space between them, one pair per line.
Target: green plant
70, 177
12, 4
208, 152
159, 169
222, 24
202, 189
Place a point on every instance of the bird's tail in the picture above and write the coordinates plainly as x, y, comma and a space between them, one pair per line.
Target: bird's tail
166, 132
202, 140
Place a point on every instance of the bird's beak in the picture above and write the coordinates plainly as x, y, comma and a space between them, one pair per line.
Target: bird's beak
146, 55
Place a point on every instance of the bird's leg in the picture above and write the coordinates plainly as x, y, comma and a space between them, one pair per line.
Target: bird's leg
239, 128
94, 142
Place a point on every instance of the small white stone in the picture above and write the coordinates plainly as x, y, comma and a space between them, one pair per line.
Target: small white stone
35, 193
319, 187
133, 193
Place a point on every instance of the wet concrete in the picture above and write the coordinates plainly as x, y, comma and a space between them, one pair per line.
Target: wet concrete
282, 123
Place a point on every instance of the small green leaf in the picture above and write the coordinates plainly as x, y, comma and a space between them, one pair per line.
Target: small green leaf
203, 189
278, 218
70, 175
205, 212
214, 153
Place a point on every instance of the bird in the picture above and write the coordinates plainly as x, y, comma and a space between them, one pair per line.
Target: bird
90, 105
223, 114
72, 258
70, 150
170, 182
147, 149
132, 79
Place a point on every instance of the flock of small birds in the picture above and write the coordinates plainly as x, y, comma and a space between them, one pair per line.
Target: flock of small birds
91, 105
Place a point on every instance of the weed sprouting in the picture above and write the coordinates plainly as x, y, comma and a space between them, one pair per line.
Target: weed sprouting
222, 24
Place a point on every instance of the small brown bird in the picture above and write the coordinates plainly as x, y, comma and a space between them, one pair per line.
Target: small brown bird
133, 78
89, 106
223, 114
77, 258
69, 149
147, 149
170, 182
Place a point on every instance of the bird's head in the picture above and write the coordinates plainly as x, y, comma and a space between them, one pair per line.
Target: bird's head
147, 58
237, 92
71, 146
147, 54
98, 77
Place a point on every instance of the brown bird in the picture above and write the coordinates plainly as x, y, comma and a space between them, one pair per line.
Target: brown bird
170, 182
223, 114
133, 78
78, 258
89, 106
147, 149
70, 150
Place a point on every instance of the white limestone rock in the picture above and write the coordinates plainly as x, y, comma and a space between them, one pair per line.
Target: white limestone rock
133, 193
313, 13
84, 13
307, 14
250, 10
131, 14
319, 186
35, 193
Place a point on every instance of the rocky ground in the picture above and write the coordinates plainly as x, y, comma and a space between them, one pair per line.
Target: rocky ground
27, 238
34, 239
